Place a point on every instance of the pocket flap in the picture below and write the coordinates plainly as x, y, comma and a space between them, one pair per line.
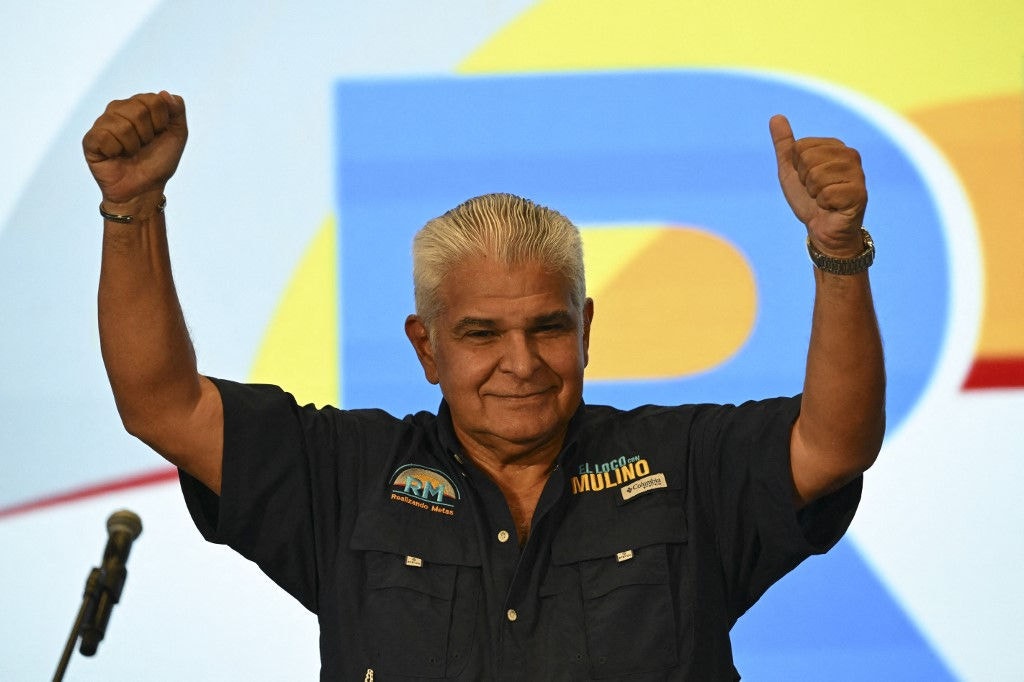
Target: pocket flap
656, 519
385, 570
646, 566
432, 540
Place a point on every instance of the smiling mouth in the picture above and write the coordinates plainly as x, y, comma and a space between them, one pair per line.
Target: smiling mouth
518, 396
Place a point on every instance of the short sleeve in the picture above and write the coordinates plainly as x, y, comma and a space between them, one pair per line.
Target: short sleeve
268, 501
742, 467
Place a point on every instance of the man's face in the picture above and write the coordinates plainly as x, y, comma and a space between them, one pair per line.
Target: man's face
508, 350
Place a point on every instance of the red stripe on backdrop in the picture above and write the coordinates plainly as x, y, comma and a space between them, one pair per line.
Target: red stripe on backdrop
995, 373
162, 475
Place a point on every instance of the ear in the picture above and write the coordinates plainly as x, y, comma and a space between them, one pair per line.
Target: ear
588, 317
419, 337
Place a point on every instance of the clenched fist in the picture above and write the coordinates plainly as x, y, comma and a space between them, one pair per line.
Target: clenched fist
134, 148
824, 185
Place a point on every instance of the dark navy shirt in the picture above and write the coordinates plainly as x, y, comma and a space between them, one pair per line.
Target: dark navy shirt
657, 529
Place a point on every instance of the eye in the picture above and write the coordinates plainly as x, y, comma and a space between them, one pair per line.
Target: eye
552, 328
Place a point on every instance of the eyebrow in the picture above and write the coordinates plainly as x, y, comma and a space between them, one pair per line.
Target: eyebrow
558, 317
474, 323
561, 317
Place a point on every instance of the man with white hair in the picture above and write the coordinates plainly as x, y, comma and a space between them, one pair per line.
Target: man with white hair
517, 533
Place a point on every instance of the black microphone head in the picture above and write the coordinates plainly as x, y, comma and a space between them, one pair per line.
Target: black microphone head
126, 521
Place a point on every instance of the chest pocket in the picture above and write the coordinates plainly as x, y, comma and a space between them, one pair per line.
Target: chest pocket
421, 602
625, 566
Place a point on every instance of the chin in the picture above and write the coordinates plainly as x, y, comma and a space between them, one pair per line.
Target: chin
529, 433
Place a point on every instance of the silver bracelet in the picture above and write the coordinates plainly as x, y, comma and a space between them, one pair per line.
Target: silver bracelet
125, 219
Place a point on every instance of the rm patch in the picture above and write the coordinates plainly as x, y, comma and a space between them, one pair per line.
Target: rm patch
425, 488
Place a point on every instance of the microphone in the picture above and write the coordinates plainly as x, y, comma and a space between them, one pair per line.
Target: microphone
122, 527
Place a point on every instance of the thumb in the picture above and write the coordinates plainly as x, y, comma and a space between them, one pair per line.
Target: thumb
782, 137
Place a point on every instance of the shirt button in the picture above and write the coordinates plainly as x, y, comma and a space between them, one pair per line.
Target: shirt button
512, 615
503, 536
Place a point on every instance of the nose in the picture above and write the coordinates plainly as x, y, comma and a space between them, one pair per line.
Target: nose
519, 355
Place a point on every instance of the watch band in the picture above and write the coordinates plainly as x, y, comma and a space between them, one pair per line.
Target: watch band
844, 266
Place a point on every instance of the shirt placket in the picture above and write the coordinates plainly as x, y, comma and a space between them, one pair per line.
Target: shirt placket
522, 600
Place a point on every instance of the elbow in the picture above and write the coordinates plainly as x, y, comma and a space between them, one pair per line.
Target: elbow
873, 439
149, 423
157, 413
824, 460
141, 426
857, 452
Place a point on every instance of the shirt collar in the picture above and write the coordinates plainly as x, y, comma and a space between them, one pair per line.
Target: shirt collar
446, 432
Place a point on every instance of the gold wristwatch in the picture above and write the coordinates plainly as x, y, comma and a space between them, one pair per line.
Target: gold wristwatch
844, 266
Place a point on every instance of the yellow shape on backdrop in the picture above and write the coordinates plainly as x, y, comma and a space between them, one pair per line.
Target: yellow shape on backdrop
607, 249
669, 301
902, 53
300, 347
990, 161
660, 291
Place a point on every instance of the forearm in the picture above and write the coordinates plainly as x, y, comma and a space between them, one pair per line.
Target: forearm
842, 417
146, 348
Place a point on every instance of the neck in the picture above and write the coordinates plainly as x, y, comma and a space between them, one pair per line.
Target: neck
520, 480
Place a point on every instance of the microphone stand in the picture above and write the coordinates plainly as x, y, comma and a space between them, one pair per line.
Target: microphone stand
102, 588
93, 587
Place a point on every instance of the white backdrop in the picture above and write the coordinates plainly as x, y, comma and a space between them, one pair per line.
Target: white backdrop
939, 525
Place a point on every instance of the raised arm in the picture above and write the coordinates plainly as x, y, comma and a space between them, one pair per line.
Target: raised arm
842, 416
132, 151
